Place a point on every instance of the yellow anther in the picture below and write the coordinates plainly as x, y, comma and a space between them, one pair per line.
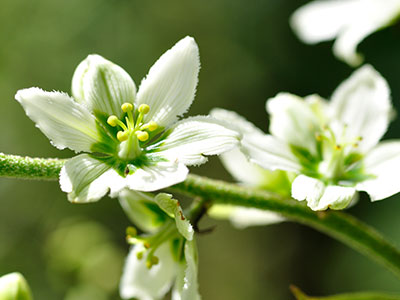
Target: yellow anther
154, 260
139, 255
131, 231
144, 108
142, 135
122, 136
126, 107
112, 120
338, 147
152, 126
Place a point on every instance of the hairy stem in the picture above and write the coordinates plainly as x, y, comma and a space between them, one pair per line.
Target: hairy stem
338, 225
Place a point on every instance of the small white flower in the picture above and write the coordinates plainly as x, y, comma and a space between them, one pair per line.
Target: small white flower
332, 146
350, 21
14, 286
248, 174
165, 257
131, 140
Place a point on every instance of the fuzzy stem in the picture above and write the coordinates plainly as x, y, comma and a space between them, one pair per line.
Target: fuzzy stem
338, 225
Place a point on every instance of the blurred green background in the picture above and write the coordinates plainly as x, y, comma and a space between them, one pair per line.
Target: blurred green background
248, 54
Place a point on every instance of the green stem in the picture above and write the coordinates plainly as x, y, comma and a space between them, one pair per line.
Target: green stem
338, 225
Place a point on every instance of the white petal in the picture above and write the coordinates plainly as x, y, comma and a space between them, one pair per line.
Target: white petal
102, 86
86, 179
155, 177
186, 286
383, 163
173, 208
367, 17
192, 138
336, 197
323, 20
319, 196
170, 86
65, 122
350, 20
142, 210
363, 103
270, 153
147, 284
237, 122
309, 189
293, 121
242, 217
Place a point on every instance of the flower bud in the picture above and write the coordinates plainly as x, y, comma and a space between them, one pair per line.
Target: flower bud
14, 286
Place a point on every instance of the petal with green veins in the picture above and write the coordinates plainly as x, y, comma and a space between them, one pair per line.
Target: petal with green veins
363, 103
156, 176
65, 122
189, 140
383, 164
147, 284
172, 207
336, 197
170, 86
87, 179
102, 86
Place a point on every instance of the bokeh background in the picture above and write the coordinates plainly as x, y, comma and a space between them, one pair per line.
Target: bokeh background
248, 54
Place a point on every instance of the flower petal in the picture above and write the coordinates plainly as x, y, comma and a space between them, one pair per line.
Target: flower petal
170, 86
186, 286
363, 102
383, 162
189, 140
173, 208
65, 122
270, 153
323, 20
102, 86
293, 121
319, 196
367, 17
142, 210
155, 177
86, 179
309, 189
147, 284
243, 217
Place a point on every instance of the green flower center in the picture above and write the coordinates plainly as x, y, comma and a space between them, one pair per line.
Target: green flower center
133, 130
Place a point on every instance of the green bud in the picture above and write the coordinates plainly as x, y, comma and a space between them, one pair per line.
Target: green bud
13, 286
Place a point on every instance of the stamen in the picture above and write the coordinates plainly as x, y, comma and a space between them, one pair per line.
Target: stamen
122, 136
142, 135
112, 121
151, 126
126, 107
338, 147
144, 108
153, 260
139, 255
131, 231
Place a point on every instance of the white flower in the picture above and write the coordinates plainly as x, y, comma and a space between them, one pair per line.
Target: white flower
14, 286
332, 146
131, 140
350, 21
249, 174
163, 258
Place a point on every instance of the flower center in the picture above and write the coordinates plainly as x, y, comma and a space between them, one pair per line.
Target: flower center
338, 153
133, 130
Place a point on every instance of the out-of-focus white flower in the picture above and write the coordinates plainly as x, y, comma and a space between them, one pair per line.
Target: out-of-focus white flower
349, 21
164, 257
332, 146
131, 140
